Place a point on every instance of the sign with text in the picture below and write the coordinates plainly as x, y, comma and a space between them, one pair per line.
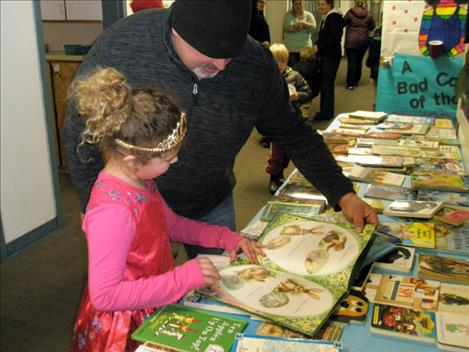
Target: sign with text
417, 85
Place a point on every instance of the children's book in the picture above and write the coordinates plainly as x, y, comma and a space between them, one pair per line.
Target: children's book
441, 133
368, 115
418, 143
428, 120
376, 204
403, 151
453, 216
365, 272
370, 175
189, 329
314, 207
454, 298
403, 323
415, 129
452, 239
407, 292
296, 178
338, 148
452, 331
254, 230
372, 160
369, 142
255, 343
443, 268
401, 260
352, 309
347, 132
389, 193
447, 198
360, 151
333, 137
382, 135
354, 127
441, 154
300, 194
443, 123
355, 121
442, 166
382, 245
411, 233
386, 125
435, 180
197, 300
413, 208
308, 267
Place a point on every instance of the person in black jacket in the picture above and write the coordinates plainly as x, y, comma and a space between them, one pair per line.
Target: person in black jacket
259, 28
329, 51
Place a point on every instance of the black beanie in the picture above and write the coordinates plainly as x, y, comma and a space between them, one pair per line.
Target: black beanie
216, 28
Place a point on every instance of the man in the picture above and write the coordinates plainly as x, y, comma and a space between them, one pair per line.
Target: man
228, 84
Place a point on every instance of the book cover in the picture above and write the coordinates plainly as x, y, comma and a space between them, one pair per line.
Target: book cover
435, 180
382, 135
443, 166
443, 269
428, 120
360, 151
452, 239
353, 308
412, 208
189, 329
386, 125
407, 292
403, 151
307, 269
452, 331
454, 298
354, 127
355, 121
312, 208
254, 230
404, 323
370, 175
401, 260
441, 133
414, 129
369, 115
197, 300
447, 198
300, 194
360, 281
452, 216
388, 193
411, 233
443, 123
245, 343
369, 142
441, 154
372, 160
376, 204
347, 132
417, 143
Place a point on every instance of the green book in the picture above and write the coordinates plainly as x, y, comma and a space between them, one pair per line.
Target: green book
184, 328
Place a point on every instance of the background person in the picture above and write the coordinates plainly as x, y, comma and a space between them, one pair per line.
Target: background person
228, 84
259, 28
359, 23
298, 24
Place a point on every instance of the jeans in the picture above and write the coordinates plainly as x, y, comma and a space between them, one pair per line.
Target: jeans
224, 215
354, 65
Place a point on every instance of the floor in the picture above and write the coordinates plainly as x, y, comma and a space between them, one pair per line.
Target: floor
41, 286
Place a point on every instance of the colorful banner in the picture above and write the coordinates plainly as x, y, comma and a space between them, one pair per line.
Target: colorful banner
417, 85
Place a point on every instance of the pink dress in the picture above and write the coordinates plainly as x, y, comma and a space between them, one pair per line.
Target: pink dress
131, 264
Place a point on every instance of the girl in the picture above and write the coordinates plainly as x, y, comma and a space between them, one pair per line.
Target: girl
127, 224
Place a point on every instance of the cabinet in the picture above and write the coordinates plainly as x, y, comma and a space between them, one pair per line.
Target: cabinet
71, 10
62, 70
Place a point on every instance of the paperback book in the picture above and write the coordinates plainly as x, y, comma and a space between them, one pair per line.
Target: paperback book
443, 123
441, 133
442, 166
428, 120
404, 323
370, 142
376, 204
308, 267
352, 309
301, 209
382, 135
368, 115
388, 193
414, 129
184, 328
435, 180
411, 233
443, 268
447, 198
418, 143
453, 216
413, 208
355, 121
452, 239
254, 230
330, 331
401, 260
403, 151
454, 298
372, 160
300, 194
370, 175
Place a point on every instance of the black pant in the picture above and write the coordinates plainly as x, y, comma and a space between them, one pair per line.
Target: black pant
329, 67
354, 65
293, 58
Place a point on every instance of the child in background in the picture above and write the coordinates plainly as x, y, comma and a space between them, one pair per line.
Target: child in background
300, 93
128, 225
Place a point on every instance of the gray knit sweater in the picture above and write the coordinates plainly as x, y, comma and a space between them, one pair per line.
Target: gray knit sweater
221, 113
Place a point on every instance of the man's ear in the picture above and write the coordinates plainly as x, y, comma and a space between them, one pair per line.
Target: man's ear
130, 161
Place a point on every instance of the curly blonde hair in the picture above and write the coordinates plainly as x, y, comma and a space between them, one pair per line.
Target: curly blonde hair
142, 117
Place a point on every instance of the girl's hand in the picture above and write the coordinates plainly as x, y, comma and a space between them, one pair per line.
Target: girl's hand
249, 248
209, 271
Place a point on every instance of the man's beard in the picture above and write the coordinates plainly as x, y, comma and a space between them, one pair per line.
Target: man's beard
201, 74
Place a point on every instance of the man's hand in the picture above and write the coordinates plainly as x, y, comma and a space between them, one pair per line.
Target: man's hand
249, 248
357, 211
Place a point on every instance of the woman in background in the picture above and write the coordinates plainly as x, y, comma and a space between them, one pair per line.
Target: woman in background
359, 23
298, 25
259, 28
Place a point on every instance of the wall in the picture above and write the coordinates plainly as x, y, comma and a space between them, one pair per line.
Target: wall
27, 189
57, 34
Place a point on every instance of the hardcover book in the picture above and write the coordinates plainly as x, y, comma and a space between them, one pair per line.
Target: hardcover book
407, 292
309, 266
443, 269
300, 194
254, 230
389, 193
413, 208
447, 198
441, 153
330, 331
256, 343
386, 125
414, 130
414, 234
376, 204
404, 323
184, 328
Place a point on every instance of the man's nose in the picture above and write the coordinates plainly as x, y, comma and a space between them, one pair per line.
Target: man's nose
220, 63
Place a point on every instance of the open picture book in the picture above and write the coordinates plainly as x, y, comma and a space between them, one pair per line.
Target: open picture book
309, 266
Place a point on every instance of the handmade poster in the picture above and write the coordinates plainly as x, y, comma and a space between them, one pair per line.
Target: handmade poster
307, 269
419, 85
408, 26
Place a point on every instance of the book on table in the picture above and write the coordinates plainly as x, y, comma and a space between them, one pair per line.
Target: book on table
452, 239
184, 328
427, 120
452, 215
368, 115
411, 233
443, 268
388, 193
447, 198
312, 208
370, 175
401, 260
413, 208
441, 166
437, 181
308, 267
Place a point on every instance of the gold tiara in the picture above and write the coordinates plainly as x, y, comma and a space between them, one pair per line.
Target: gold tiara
172, 140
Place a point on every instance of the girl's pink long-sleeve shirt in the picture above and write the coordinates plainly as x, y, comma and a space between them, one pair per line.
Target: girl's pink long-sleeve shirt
110, 230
